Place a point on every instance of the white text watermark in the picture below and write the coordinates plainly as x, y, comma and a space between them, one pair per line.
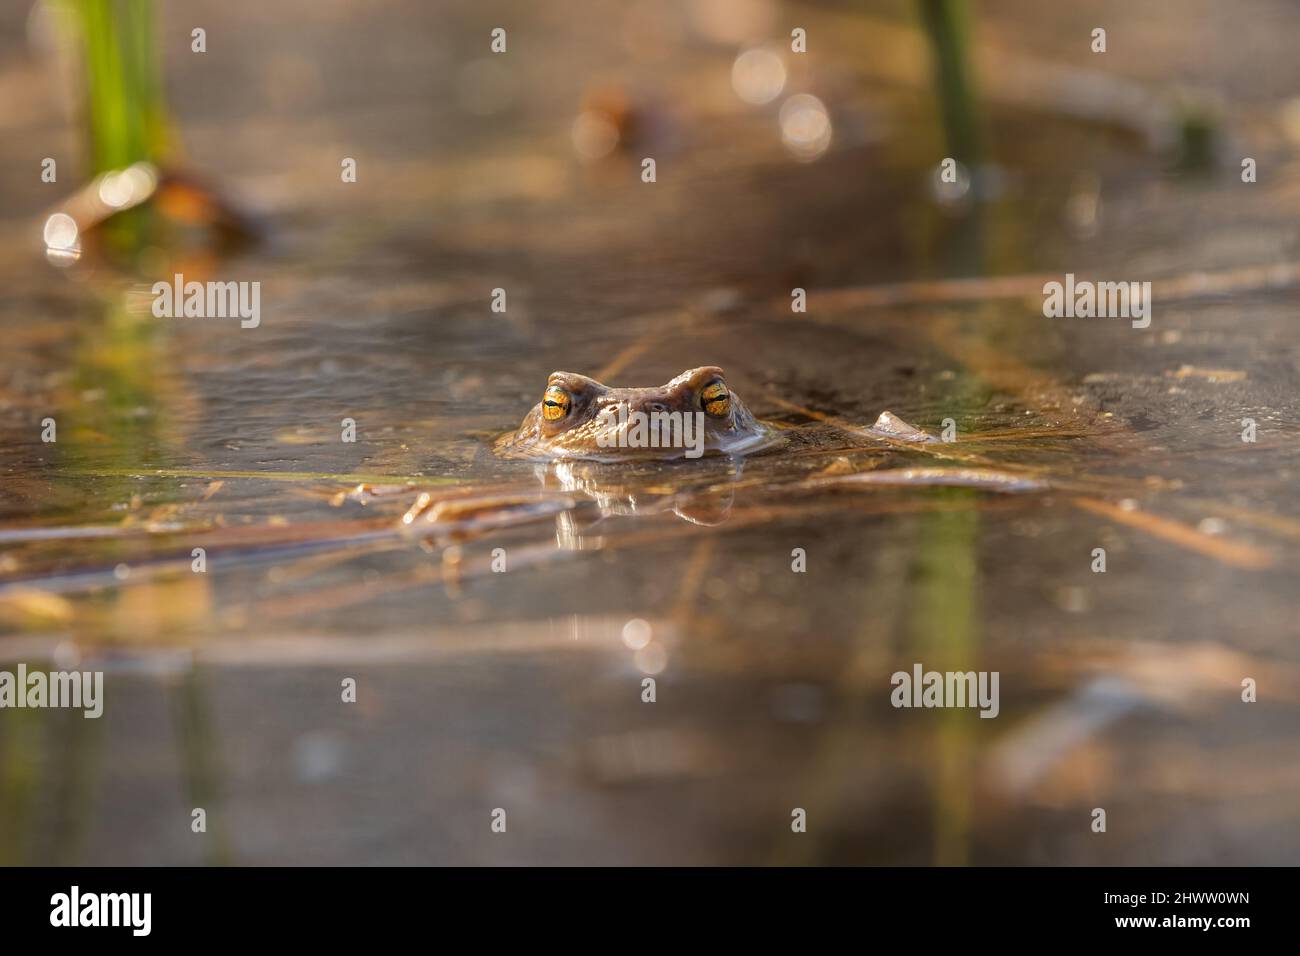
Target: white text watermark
73, 689
208, 300
1103, 300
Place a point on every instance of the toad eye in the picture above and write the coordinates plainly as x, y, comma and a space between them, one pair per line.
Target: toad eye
715, 400
555, 403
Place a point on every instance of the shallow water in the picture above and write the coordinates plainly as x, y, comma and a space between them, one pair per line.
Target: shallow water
523, 690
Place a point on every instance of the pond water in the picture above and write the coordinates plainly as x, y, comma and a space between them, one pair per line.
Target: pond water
479, 688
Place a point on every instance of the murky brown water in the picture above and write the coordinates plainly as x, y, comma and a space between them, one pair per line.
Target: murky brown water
523, 690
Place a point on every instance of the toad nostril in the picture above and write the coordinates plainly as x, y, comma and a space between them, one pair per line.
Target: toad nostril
656, 406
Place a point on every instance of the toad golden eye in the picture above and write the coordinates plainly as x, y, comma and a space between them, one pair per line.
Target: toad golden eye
715, 400
555, 403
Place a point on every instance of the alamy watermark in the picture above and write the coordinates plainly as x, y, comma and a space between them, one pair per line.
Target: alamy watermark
208, 300
923, 688
1103, 300
76, 689
624, 428
75, 908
